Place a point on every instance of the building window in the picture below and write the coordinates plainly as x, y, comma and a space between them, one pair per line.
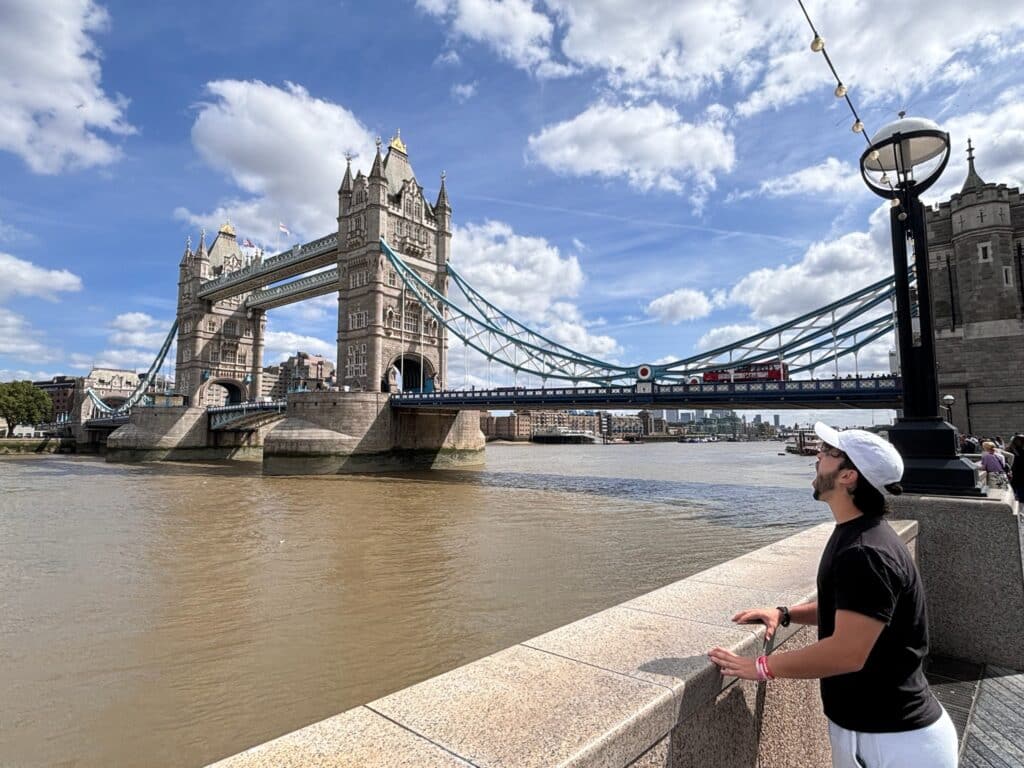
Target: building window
358, 279
230, 328
412, 321
392, 278
241, 358
1007, 277
186, 352
356, 319
211, 326
228, 357
214, 355
186, 326
984, 252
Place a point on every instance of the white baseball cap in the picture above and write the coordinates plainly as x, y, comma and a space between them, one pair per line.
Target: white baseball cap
876, 459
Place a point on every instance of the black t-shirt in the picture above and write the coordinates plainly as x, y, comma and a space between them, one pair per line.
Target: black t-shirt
866, 568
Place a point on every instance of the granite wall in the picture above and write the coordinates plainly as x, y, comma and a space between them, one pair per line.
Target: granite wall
628, 687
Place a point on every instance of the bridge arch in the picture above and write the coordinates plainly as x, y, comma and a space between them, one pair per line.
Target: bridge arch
409, 372
236, 392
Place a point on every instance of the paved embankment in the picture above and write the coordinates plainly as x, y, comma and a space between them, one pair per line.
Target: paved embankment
36, 445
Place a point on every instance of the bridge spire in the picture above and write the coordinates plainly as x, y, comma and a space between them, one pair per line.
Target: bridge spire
188, 251
377, 171
442, 203
346, 182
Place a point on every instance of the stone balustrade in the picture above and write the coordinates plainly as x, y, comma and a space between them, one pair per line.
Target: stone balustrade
630, 686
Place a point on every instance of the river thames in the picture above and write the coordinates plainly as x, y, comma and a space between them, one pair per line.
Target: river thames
174, 614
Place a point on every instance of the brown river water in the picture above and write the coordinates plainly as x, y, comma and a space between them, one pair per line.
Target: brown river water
174, 614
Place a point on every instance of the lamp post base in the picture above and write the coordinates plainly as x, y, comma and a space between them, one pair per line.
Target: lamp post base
931, 458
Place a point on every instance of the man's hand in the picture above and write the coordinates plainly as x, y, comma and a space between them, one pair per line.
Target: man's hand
733, 665
767, 616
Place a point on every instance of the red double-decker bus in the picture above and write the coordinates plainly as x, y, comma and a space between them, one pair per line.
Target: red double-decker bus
752, 372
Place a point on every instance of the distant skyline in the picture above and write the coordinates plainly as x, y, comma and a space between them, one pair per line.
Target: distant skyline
636, 184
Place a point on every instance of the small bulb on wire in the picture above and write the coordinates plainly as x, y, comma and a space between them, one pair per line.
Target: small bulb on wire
817, 44
857, 126
902, 215
840, 91
885, 178
895, 202
874, 155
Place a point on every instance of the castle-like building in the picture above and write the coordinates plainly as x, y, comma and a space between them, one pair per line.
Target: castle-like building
383, 333
976, 271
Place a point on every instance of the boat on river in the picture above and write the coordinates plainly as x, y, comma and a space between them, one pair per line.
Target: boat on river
563, 435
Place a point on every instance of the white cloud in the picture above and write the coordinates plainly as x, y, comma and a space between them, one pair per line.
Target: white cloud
281, 344
18, 339
21, 374
532, 281
54, 114
649, 145
726, 334
463, 92
24, 278
513, 29
125, 359
284, 148
828, 271
833, 178
132, 321
447, 58
682, 304
750, 50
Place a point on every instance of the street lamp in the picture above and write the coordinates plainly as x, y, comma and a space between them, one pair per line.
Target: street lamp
904, 159
947, 406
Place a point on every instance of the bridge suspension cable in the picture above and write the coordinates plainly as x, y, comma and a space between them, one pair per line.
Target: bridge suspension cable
144, 383
820, 337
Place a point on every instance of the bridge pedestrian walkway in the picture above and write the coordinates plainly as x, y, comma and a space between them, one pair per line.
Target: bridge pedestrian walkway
986, 705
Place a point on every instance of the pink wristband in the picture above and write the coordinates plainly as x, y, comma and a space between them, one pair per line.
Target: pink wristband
763, 671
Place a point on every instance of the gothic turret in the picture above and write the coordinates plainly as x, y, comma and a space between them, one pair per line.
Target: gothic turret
345, 190
973, 180
186, 257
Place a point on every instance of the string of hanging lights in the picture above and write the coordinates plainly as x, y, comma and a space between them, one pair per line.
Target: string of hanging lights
842, 92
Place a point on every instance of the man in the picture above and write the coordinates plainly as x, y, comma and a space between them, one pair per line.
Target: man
872, 626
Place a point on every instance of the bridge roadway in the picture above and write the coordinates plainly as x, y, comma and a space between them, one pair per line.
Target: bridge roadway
883, 392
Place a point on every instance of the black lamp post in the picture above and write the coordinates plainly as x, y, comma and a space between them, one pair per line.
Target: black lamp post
905, 158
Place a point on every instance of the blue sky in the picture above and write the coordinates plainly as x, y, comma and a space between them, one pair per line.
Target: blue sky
640, 182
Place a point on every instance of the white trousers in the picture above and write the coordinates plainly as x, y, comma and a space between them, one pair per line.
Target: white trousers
934, 746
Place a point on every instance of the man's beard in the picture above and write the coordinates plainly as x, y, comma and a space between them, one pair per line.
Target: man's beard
823, 483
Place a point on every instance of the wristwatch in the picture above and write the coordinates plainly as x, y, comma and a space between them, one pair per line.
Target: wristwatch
784, 619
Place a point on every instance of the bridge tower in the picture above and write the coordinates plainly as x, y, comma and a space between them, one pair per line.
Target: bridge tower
382, 329
218, 342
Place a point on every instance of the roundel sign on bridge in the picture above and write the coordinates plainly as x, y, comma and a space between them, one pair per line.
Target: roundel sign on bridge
644, 372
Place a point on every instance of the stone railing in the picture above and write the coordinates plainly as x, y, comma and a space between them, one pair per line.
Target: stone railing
630, 686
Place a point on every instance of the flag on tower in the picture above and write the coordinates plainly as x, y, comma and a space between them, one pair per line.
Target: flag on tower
283, 228
247, 243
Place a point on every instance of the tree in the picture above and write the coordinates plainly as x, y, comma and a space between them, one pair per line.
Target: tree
21, 403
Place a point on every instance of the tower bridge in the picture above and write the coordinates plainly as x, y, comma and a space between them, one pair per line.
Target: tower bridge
389, 264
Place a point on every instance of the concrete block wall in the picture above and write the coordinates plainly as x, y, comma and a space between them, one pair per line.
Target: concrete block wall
970, 554
629, 687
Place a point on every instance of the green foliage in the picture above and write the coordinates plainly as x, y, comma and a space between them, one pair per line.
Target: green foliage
21, 403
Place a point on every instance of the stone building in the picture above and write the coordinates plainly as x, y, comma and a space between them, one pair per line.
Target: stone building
976, 270
216, 340
382, 328
300, 372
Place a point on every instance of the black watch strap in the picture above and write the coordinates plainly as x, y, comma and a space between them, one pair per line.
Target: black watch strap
784, 620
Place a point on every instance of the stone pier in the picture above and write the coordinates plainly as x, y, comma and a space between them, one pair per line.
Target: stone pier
335, 432
178, 433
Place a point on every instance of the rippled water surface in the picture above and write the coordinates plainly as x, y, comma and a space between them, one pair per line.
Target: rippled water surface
172, 614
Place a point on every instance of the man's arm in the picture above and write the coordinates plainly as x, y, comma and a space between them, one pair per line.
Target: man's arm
845, 651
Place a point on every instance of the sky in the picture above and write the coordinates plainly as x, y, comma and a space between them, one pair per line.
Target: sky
637, 182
